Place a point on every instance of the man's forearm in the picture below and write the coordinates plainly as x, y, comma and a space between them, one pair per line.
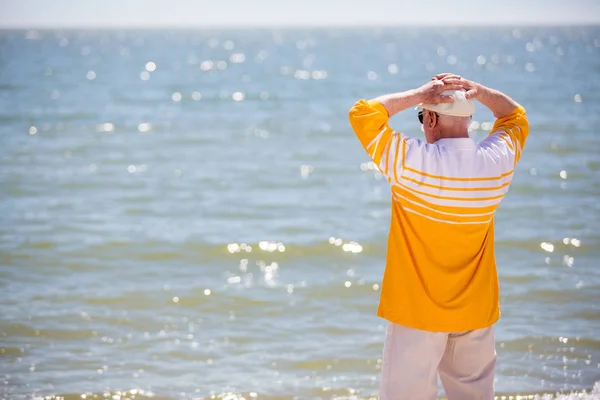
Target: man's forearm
396, 102
499, 103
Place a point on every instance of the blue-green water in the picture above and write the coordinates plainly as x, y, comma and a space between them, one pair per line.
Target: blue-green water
188, 213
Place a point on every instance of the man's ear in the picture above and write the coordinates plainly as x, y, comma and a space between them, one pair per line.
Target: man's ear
433, 120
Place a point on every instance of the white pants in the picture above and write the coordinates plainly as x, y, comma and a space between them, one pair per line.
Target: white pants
412, 359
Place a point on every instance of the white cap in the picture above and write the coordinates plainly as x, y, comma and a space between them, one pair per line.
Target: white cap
460, 107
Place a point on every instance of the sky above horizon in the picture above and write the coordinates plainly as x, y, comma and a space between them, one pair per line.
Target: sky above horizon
232, 13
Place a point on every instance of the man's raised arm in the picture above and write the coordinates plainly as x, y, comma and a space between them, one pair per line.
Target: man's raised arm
369, 119
511, 123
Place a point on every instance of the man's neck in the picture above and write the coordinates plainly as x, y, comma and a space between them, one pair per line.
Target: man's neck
455, 135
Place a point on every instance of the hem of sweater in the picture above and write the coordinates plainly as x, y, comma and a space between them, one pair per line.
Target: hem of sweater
455, 326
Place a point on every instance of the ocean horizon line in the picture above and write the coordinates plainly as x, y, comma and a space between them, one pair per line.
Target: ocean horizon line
200, 27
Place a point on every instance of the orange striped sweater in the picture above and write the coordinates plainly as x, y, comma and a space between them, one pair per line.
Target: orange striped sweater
440, 272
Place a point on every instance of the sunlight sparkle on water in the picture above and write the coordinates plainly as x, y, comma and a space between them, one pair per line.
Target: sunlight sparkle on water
549, 247
269, 271
352, 247
302, 74
238, 96
91, 75
105, 127
206, 65
150, 66
568, 260
246, 247
271, 246
236, 248
132, 169
237, 58
319, 75
306, 170
335, 242
369, 166
144, 127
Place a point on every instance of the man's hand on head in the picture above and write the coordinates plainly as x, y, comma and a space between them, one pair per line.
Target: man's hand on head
444, 75
430, 93
472, 88
499, 103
